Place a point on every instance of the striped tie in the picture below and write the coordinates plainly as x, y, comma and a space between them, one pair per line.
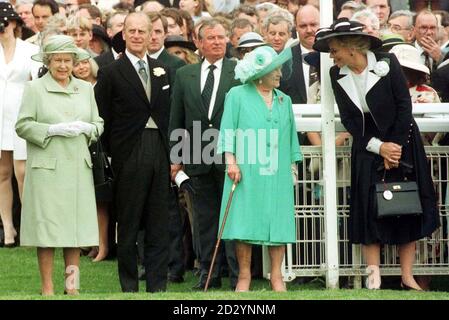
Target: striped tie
142, 71
206, 95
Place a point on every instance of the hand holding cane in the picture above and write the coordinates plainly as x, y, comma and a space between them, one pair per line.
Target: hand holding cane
217, 245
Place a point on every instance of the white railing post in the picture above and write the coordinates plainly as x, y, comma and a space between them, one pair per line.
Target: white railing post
329, 170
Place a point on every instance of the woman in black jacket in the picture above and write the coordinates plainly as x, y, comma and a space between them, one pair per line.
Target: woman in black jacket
375, 107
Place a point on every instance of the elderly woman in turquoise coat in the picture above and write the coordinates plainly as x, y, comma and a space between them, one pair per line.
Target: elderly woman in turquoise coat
258, 137
58, 119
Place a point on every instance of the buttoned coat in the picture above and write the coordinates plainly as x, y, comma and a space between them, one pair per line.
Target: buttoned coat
265, 145
125, 107
13, 76
390, 120
58, 207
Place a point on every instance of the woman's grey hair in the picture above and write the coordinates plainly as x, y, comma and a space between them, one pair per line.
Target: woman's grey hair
404, 13
93, 67
358, 43
277, 17
46, 59
367, 13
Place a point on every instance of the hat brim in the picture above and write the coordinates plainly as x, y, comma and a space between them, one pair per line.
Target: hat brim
79, 56
278, 61
322, 44
117, 42
252, 44
182, 44
414, 66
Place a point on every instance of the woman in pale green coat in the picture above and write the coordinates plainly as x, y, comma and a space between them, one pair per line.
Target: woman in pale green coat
259, 139
59, 119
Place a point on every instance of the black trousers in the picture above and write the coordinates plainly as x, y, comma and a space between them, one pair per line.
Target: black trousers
176, 253
206, 215
142, 198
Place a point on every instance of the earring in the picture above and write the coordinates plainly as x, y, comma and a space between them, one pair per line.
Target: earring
260, 81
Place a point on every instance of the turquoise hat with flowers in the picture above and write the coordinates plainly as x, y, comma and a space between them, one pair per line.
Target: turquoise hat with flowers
259, 62
60, 44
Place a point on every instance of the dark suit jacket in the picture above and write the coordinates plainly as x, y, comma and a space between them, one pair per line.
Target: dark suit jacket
294, 86
387, 97
187, 107
171, 61
440, 82
104, 59
124, 106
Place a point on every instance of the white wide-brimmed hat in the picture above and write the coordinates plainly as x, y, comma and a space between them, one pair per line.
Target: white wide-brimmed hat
409, 57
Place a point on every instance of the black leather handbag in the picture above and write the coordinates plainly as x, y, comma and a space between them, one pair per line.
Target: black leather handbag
396, 199
102, 173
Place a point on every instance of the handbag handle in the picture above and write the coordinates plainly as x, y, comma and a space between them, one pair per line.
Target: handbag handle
107, 165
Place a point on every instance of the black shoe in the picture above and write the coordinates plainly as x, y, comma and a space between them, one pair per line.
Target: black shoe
175, 279
213, 283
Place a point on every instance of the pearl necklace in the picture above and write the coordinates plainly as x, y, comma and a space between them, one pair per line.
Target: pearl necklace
268, 97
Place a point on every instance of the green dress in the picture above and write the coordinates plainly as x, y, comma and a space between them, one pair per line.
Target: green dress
265, 144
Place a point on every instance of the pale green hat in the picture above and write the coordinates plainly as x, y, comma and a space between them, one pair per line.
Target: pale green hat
259, 62
60, 44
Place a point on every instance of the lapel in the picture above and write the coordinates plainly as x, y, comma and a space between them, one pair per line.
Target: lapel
372, 77
156, 82
227, 74
195, 76
347, 82
129, 73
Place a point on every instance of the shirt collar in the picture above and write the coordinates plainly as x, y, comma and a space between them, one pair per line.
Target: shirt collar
52, 86
157, 53
371, 59
420, 49
205, 65
134, 59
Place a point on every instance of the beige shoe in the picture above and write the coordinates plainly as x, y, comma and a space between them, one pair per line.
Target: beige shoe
373, 281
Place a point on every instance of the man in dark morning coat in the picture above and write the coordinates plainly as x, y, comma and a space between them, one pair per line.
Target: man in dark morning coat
133, 95
195, 108
157, 51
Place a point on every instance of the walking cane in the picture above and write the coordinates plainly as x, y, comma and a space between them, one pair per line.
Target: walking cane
219, 236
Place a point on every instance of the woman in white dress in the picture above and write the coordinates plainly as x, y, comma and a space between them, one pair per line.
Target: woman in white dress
16, 68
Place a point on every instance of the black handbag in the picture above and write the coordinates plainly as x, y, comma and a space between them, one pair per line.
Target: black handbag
396, 199
102, 173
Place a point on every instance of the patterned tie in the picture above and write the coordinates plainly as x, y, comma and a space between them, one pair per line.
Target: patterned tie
206, 95
142, 71
427, 61
313, 75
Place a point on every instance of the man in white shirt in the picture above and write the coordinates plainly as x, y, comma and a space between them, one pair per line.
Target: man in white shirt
425, 29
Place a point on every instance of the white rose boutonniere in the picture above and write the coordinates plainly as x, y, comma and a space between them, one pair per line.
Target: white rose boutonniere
158, 71
381, 68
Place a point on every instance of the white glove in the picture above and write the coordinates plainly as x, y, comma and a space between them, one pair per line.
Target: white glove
84, 127
294, 173
63, 129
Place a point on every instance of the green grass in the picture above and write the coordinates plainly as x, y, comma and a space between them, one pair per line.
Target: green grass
19, 280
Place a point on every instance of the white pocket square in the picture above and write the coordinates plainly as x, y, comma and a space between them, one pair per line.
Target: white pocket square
166, 87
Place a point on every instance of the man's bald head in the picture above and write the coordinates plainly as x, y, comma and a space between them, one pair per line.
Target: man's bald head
307, 24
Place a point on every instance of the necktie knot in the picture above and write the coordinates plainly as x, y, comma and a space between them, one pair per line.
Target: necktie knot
143, 71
